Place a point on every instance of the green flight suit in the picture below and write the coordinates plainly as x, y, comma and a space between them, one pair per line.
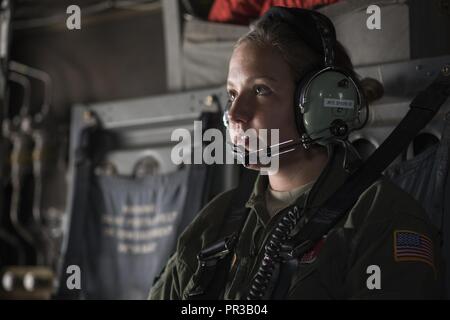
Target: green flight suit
384, 248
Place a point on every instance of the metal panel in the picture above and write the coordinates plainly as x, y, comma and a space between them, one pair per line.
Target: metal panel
409, 30
172, 44
390, 43
402, 81
144, 126
207, 49
405, 78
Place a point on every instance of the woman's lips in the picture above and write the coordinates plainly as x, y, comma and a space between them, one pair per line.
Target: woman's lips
242, 141
241, 138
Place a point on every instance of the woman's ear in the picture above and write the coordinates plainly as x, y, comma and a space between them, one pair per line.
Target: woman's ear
372, 88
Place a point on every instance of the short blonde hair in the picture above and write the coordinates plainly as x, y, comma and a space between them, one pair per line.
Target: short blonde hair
296, 52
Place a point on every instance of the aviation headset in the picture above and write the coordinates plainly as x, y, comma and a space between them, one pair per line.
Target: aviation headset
329, 102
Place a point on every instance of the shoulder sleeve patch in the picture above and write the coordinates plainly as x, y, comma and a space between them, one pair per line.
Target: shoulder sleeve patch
413, 246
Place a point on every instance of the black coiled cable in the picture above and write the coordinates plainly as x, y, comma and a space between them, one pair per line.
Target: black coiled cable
280, 233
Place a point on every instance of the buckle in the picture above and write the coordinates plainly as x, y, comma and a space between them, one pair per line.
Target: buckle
289, 252
217, 251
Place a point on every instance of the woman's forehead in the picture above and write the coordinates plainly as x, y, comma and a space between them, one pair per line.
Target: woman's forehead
251, 61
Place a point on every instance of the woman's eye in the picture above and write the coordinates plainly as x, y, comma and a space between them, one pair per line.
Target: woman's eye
231, 96
262, 90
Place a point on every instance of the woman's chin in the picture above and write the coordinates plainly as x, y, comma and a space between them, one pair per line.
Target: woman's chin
256, 167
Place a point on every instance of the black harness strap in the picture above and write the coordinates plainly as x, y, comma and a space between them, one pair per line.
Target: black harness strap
215, 260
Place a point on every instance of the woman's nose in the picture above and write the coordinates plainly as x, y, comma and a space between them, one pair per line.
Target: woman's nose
239, 110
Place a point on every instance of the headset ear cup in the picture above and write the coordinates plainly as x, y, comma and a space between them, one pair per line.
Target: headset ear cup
329, 95
297, 112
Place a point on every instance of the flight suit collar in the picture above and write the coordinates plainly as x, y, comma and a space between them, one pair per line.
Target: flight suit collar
257, 199
332, 177
328, 182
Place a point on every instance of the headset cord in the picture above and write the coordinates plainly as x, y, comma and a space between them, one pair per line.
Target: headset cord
279, 235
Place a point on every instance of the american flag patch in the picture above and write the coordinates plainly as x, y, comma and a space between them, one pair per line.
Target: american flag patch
413, 246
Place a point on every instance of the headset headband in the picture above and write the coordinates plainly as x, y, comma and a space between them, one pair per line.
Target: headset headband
314, 28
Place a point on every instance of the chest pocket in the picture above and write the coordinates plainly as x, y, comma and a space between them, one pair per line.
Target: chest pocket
321, 272
307, 266
239, 277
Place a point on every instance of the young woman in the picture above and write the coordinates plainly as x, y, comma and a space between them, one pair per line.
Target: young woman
384, 247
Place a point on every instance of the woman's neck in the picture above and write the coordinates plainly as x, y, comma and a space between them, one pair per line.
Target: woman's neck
299, 168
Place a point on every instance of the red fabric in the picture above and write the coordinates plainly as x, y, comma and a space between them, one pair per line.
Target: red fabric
244, 11
305, 4
235, 11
